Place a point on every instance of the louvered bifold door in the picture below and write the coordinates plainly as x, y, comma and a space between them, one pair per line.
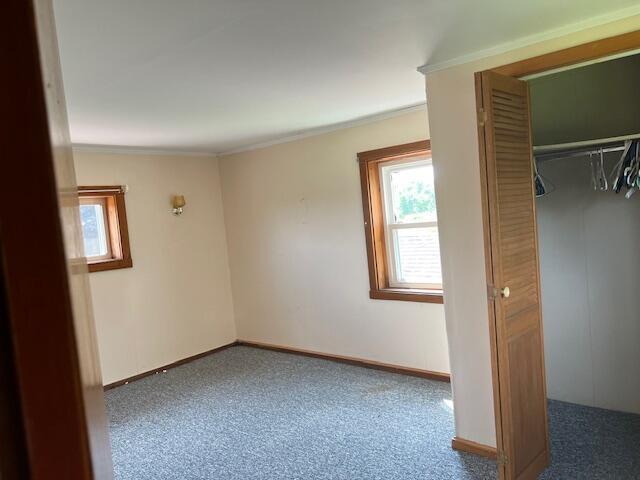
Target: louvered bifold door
514, 261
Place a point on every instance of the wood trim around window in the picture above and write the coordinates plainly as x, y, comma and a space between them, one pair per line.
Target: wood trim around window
372, 205
117, 224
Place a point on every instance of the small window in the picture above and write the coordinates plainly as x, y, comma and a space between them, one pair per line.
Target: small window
104, 228
411, 224
401, 223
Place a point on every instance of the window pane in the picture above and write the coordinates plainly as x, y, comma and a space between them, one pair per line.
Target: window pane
413, 196
93, 230
418, 255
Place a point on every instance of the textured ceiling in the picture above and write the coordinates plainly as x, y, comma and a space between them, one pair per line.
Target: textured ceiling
214, 75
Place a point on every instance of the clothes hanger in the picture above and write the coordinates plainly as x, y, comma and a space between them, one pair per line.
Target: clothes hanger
625, 173
631, 175
631, 192
543, 186
618, 170
631, 172
594, 182
602, 177
538, 182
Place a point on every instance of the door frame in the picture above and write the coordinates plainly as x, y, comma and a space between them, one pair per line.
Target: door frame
593, 50
51, 427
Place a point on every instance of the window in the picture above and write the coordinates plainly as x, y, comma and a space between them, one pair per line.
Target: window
104, 228
411, 224
401, 223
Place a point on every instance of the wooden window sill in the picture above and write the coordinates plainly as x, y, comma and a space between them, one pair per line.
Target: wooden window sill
110, 265
407, 295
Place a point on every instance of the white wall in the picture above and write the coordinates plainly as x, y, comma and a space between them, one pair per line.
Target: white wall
590, 272
297, 251
176, 300
452, 119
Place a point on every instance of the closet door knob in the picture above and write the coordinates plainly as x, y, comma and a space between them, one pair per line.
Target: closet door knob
505, 292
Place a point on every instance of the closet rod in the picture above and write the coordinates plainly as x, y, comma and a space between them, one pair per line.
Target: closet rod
577, 153
540, 149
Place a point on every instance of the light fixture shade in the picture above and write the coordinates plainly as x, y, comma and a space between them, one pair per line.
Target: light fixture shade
178, 201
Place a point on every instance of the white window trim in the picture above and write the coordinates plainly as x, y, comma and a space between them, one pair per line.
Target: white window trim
392, 226
105, 226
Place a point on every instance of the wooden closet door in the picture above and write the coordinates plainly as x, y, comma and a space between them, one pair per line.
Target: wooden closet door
514, 271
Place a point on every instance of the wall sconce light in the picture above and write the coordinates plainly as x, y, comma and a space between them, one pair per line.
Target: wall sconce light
178, 204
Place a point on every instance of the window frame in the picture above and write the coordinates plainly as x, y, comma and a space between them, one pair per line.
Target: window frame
102, 201
381, 279
119, 251
390, 226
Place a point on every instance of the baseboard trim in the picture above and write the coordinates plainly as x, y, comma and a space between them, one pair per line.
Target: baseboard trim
177, 363
468, 446
414, 372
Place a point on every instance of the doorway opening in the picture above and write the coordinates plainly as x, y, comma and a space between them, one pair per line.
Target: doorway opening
530, 118
585, 129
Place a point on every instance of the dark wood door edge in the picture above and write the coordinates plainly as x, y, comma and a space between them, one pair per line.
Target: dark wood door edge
14, 461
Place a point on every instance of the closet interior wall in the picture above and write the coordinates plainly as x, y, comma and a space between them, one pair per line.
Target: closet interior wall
590, 279
588, 238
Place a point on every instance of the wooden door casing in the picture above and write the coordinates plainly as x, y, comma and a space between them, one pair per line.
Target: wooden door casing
46, 312
77, 271
513, 251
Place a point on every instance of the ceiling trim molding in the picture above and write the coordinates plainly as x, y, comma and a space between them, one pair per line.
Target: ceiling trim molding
132, 150
533, 39
329, 128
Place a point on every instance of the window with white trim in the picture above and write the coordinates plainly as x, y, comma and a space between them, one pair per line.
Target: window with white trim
95, 229
411, 224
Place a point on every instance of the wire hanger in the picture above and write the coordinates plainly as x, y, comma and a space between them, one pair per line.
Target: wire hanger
618, 169
625, 173
631, 175
602, 177
540, 183
627, 169
592, 165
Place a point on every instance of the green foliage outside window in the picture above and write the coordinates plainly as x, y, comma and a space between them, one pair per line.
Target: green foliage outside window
415, 201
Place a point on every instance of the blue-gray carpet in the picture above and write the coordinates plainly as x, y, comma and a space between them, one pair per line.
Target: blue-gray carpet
592, 443
245, 413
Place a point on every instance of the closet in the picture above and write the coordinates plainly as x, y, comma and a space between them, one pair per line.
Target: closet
586, 133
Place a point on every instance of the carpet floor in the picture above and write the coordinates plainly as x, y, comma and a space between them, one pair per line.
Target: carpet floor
245, 413
592, 443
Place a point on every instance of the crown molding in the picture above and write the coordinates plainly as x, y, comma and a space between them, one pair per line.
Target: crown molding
131, 150
533, 39
329, 128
